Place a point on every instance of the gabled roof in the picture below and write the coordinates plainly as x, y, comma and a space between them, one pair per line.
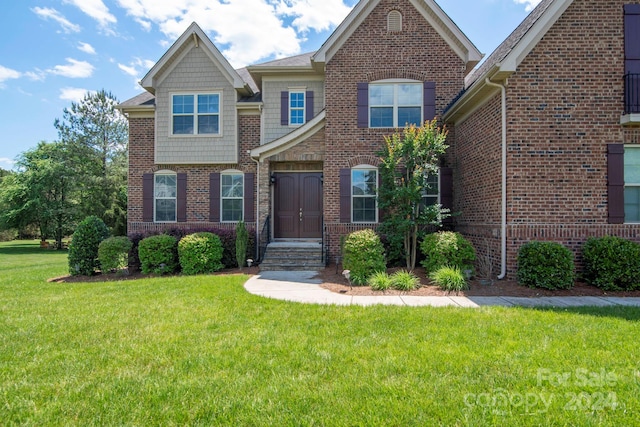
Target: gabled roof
299, 64
504, 61
434, 15
291, 139
194, 34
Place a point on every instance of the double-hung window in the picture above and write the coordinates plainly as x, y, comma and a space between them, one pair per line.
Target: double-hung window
394, 105
196, 114
296, 108
632, 184
364, 185
165, 192
232, 197
431, 191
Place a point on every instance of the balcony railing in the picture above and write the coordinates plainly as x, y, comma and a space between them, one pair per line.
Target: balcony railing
632, 94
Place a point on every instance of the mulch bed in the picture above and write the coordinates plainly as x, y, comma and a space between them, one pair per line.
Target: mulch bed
334, 281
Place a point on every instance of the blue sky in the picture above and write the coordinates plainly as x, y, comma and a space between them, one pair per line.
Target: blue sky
53, 51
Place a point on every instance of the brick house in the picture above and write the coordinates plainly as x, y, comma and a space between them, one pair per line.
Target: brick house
543, 135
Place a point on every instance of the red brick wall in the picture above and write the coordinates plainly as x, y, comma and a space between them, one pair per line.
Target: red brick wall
141, 161
370, 54
563, 107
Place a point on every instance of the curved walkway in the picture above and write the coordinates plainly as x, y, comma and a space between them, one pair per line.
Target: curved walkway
304, 287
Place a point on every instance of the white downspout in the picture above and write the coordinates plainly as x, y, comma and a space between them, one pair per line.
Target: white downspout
503, 231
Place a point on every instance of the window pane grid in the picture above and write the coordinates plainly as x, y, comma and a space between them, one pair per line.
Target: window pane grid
196, 114
395, 105
165, 193
364, 184
632, 185
296, 108
232, 197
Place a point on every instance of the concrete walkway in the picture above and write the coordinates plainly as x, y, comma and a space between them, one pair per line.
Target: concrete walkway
304, 287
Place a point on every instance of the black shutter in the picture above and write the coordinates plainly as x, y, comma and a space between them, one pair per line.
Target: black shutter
182, 198
363, 105
214, 197
429, 101
284, 108
249, 201
147, 197
309, 105
615, 183
345, 195
632, 38
446, 188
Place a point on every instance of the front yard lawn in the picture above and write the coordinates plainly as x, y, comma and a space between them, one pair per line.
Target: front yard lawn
200, 350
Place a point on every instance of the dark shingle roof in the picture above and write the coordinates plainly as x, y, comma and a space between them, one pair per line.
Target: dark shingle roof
507, 46
143, 99
301, 60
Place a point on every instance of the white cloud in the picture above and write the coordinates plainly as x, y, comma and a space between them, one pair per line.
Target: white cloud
97, 10
6, 163
74, 69
136, 69
244, 37
73, 94
86, 48
529, 4
49, 13
318, 15
38, 75
7, 74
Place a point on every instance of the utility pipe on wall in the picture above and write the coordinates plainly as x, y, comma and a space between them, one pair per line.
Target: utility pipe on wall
503, 231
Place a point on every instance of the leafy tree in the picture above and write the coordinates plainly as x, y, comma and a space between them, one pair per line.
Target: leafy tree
407, 159
40, 192
98, 134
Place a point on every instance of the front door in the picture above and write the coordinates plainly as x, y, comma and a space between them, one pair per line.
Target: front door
298, 205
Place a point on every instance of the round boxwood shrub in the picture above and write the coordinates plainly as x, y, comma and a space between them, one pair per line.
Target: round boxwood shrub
113, 253
83, 250
200, 253
363, 255
612, 263
547, 265
158, 254
447, 249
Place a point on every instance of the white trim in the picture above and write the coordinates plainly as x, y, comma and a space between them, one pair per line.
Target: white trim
291, 139
302, 91
231, 172
165, 172
429, 9
195, 114
375, 196
395, 83
630, 119
194, 32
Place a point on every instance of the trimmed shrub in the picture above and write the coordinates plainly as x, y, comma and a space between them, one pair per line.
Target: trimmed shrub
242, 241
227, 237
449, 279
612, 263
83, 250
158, 254
200, 253
113, 253
447, 249
379, 281
547, 265
363, 255
403, 280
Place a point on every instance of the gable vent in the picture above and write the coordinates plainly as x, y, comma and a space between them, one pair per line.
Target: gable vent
394, 22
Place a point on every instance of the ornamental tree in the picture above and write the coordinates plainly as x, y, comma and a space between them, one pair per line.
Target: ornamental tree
408, 158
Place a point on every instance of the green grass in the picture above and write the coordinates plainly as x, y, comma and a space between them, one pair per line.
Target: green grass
200, 350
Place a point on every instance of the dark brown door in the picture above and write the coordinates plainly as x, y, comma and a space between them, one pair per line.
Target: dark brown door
298, 205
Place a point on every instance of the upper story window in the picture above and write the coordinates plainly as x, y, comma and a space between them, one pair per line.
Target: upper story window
232, 196
632, 184
394, 105
364, 186
297, 108
165, 192
196, 114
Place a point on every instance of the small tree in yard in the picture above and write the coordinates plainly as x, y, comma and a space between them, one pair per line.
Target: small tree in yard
407, 160
242, 241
